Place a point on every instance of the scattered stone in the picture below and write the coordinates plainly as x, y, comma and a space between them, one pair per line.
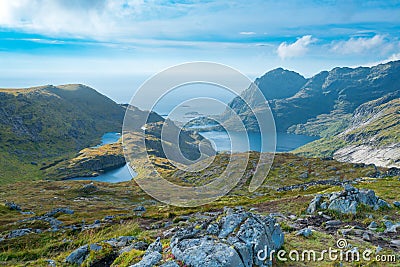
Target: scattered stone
392, 228
366, 236
395, 243
51, 263
19, 232
55, 211
88, 188
140, 245
304, 175
378, 249
139, 208
373, 225
333, 223
396, 204
78, 255
306, 232
12, 206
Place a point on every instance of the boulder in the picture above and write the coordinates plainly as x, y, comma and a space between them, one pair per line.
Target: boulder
19, 232
149, 260
156, 246
396, 204
232, 240
12, 206
373, 225
314, 204
347, 201
78, 255
55, 211
306, 232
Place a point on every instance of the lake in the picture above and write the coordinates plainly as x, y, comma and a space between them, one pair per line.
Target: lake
118, 175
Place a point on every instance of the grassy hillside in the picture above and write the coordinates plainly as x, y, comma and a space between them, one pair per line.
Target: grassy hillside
103, 211
41, 124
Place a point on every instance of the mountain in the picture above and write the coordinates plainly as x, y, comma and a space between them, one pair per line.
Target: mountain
41, 124
47, 131
320, 105
371, 137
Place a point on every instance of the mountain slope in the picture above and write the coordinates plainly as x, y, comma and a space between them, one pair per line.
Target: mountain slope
372, 136
44, 123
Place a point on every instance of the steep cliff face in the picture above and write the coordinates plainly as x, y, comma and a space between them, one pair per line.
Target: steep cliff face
371, 137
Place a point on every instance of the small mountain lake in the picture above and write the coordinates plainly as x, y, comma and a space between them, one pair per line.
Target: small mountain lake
118, 175
221, 141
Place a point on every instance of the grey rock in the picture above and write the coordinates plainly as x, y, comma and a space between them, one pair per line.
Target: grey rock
156, 246
213, 229
139, 208
396, 204
242, 234
373, 225
51, 263
205, 252
12, 206
333, 223
306, 232
347, 201
366, 236
392, 228
170, 264
140, 245
95, 247
78, 255
59, 210
395, 242
19, 232
314, 204
304, 175
88, 188
381, 204
230, 222
343, 206
149, 260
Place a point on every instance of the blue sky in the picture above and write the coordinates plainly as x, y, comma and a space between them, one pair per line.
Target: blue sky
115, 45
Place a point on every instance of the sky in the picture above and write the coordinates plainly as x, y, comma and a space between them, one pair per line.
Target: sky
115, 45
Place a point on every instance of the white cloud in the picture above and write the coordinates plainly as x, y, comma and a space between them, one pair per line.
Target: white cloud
247, 33
360, 45
298, 48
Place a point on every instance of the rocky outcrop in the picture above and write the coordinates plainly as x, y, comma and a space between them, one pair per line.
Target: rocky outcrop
347, 201
232, 240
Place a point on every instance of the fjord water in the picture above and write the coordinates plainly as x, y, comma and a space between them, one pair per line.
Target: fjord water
237, 142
